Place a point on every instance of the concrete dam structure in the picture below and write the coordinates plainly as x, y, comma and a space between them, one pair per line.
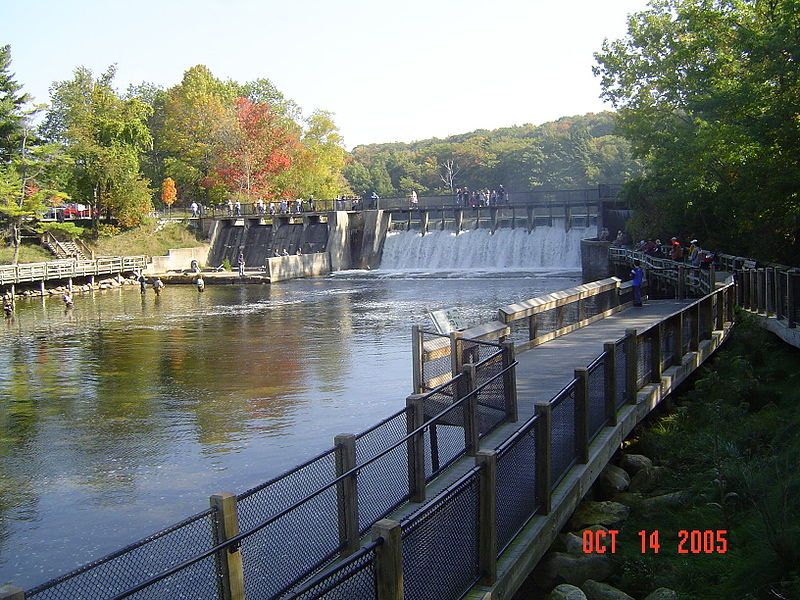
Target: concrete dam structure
372, 239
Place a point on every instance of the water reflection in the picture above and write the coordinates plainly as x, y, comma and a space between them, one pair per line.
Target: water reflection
123, 414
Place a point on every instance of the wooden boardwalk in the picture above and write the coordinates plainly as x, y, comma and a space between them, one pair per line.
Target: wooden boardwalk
545, 369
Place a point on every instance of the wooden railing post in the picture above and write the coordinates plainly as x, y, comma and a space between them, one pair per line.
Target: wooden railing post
532, 327
456, 352
487, 515
677, 339
610, 377
544, 442
347, 494
631, 365
470, 410
694, 330
753, 290
656, 333
510, 381
416, 358
719, 316
229, 560
582, 415
388, 560
415, 417
761, 300
769, 291
681, 282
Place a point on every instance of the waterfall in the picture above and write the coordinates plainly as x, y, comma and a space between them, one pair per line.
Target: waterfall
506, 249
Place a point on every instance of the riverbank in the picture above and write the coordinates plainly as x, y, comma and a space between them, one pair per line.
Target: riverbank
722, 463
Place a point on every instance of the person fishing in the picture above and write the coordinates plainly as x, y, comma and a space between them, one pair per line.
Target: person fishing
8, 303
201, 285
142, 283
158, 285
67, 299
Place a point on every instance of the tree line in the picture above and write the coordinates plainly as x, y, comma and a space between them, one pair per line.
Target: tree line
209, 140
708, 94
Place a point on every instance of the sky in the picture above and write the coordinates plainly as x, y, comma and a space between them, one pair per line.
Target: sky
389, 71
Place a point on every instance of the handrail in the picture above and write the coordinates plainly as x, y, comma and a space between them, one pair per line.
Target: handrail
65, 268
527, 308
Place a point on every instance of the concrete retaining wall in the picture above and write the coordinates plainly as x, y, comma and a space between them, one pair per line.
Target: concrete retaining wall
594, 259
281, 268
376, 224
339, 241
179, 259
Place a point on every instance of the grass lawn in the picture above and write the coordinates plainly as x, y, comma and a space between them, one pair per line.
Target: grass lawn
28, 253
150, 239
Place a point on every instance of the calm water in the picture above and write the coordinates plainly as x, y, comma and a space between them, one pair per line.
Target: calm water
123, 415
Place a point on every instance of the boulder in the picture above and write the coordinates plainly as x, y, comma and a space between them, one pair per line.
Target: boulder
658, 503
559, 567
595, 590
569, 543
633, 463
647, 479
606, 513
566, 591
612, 481
662, 594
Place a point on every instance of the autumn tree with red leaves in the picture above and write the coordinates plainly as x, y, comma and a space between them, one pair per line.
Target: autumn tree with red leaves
263, 150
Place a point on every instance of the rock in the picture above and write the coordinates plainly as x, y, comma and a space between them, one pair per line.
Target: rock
612, 481
602, 591
105, 286
569, 543
566, 591
662, 594
671, 500
559, 567
647, 479
633, 463
606, 513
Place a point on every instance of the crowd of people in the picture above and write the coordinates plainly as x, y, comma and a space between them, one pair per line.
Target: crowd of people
480, 198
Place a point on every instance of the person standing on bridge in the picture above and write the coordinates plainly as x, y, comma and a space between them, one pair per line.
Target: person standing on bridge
637, 275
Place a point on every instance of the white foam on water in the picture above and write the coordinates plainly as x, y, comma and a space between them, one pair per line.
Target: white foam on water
543, 249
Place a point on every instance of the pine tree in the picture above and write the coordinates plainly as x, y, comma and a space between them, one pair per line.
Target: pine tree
12, 100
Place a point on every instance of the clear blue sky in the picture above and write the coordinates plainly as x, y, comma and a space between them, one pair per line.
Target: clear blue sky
390, 71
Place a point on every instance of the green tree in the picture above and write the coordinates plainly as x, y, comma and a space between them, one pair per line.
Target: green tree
12, 104
708, 93
104, 135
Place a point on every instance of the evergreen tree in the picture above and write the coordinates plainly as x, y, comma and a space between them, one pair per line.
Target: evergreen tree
12, 102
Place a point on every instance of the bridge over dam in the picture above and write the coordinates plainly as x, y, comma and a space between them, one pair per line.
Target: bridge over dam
354, 237
462, 490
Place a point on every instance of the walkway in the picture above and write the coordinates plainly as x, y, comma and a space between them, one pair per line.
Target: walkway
544, 370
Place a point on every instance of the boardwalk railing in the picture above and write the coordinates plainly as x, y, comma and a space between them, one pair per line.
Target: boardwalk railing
66, 269
454, 541
685, 279
295, 524
437, 357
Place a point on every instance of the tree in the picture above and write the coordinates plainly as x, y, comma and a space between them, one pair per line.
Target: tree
321, 160
261, 150
168, 192
708, 93
200, 123
450, 170
104, 135
12, 104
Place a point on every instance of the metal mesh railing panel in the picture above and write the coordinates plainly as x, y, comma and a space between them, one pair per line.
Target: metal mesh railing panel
354, 579
516, 484
266, 500
644, 362
491, 394
444, 436
597, 396
794, 281
563, 449
704, 321
440, 544
382, 486
192, 582
375, 440
621, 374
292, 547
138, 562
780, 308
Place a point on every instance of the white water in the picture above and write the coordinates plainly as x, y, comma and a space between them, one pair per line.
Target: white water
543, 248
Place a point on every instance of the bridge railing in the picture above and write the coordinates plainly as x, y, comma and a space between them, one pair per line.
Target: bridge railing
472, 522
538, 320
65, 269
668, 273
